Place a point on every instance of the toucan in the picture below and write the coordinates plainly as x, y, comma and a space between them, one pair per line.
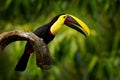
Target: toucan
49, 31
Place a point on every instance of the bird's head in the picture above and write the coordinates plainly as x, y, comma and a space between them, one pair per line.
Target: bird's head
70, 21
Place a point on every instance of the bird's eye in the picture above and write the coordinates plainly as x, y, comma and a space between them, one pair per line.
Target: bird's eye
64, 16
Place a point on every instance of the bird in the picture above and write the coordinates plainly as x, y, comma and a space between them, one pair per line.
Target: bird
48, 31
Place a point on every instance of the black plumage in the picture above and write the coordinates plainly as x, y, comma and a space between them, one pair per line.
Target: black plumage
42, 32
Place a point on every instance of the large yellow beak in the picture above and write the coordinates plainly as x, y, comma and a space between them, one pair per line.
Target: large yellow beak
77, 24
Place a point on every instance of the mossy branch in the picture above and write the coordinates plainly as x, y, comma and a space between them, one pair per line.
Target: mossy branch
43, 58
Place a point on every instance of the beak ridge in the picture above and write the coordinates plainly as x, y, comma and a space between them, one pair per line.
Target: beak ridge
77, 24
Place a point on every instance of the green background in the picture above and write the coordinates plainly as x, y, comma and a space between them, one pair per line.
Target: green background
75, 57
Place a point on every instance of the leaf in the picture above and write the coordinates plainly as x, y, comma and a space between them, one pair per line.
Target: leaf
7, 4
92, 63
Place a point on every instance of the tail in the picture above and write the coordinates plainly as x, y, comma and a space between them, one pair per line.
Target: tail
22, 62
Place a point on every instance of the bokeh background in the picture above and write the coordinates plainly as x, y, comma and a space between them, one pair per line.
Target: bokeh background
75, 57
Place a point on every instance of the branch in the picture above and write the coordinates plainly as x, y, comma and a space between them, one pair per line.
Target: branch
43, 58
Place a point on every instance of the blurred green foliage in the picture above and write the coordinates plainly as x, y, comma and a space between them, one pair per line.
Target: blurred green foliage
75, 57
